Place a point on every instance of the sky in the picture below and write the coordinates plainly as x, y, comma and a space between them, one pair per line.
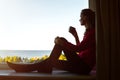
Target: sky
34, 24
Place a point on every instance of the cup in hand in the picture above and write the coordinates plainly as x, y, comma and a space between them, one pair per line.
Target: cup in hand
72, 30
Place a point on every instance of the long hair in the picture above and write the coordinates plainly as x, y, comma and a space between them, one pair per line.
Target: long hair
90, 16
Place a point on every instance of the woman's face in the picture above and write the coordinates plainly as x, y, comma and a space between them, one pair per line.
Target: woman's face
82, 19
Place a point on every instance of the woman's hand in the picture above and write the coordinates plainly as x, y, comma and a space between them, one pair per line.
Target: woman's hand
72, 30
60, 40
56, 40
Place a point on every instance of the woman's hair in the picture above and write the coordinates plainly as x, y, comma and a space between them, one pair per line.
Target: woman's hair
90, 16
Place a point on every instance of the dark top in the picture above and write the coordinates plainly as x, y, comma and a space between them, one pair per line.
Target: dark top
86, 48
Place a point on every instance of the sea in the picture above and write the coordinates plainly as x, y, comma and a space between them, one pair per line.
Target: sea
24, 53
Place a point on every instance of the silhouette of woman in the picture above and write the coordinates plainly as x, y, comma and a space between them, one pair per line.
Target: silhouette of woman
81, 57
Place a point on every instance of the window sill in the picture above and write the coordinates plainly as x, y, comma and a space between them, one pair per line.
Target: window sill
56, 75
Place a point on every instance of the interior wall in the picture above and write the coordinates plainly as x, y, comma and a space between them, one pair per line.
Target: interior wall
92, 5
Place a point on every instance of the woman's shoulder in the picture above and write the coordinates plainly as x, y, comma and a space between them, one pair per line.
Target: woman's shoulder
90, 32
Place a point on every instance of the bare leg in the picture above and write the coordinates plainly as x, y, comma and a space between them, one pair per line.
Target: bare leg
55, 54
46, 66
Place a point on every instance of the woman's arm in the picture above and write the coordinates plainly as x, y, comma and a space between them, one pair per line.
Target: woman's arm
73, 31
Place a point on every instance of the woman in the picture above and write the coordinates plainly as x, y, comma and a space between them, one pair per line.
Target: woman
81, 57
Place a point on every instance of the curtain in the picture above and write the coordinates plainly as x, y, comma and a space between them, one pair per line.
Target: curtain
108, 39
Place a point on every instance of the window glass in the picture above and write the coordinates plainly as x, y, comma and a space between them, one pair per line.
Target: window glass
28, 27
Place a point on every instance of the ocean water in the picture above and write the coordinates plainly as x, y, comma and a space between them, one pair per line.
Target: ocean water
24, 53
